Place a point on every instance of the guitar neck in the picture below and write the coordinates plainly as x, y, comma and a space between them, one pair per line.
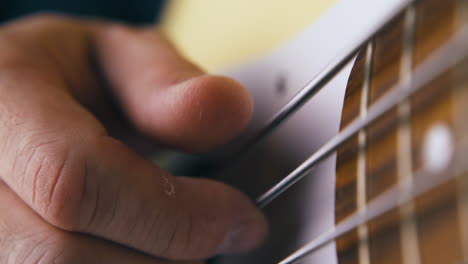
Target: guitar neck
423, 134
391, 185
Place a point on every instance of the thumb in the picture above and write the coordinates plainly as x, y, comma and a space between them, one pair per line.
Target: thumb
166, 96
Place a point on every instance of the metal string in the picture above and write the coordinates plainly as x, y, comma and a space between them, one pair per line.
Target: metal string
391, 199
449, 55
319, 81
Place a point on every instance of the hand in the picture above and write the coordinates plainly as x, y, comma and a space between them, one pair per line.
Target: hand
71, 93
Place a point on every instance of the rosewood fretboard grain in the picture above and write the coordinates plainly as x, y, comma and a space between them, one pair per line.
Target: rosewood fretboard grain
431, 228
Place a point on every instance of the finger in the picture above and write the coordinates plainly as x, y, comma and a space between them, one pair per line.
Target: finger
26, 238
61, 162
146, 208
168, 97
98, 186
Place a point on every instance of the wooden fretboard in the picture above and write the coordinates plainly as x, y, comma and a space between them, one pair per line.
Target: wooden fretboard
402, 143
401, 191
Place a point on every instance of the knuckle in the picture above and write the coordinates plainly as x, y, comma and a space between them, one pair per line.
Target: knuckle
33, 242
55, 183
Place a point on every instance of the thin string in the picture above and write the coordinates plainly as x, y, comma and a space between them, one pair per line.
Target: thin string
391, 199
449, 55
318, 82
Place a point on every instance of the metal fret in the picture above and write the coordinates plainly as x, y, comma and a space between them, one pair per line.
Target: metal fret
397, 196
447, 56
409, 237
364, 255
319, 81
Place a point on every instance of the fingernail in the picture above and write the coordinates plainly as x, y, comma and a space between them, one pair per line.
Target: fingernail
246, 236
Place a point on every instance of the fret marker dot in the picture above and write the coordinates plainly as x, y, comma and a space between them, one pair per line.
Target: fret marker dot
438, 148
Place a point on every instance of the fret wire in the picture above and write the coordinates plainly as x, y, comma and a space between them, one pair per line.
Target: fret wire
447, 56
409, 237
364, 254
318, 82
391, 199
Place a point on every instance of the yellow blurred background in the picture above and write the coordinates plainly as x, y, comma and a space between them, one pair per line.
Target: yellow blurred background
220, 33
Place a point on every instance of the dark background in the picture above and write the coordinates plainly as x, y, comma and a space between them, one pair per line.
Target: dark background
133, 12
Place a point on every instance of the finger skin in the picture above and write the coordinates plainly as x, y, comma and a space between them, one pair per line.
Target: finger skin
167, 96
26, 238
62, 162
